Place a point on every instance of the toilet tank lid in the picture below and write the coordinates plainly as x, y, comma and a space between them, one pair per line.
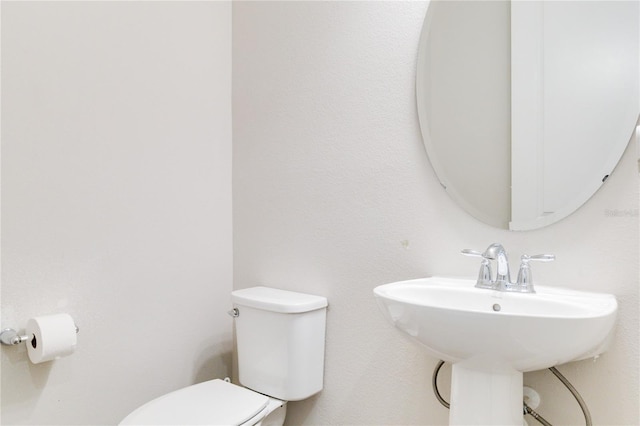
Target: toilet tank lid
275, 300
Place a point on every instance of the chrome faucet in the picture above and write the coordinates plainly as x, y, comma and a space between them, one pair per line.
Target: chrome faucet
503, 278
502, 281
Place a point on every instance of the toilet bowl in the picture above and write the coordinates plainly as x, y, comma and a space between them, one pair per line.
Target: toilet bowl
280, 344
215, 402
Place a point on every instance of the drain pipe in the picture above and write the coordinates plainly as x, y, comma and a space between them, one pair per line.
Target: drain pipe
526, 409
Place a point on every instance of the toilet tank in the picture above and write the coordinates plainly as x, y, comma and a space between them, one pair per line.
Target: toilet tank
280, 341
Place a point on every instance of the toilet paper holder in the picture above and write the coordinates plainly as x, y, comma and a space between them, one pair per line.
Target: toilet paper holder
10, 337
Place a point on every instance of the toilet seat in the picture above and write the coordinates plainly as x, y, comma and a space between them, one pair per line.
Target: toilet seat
215, 402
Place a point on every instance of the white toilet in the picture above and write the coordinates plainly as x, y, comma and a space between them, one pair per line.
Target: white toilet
280, 342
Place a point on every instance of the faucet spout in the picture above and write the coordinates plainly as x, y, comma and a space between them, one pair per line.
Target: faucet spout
503, 278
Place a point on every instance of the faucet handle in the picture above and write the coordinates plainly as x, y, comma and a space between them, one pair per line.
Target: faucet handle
472, 253
484, 276
538, 257
525, 278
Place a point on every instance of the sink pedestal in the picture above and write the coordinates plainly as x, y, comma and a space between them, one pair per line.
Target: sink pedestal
485, 398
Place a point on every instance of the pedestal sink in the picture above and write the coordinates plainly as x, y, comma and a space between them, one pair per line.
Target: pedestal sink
492, 337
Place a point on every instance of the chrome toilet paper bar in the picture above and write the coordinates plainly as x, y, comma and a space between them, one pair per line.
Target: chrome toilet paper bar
10, 337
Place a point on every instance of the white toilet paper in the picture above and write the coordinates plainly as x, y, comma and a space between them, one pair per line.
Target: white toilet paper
54, 336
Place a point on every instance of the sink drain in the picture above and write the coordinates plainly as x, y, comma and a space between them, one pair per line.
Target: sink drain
496, 307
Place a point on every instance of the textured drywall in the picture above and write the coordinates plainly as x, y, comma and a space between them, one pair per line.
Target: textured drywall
333, 194
116, 201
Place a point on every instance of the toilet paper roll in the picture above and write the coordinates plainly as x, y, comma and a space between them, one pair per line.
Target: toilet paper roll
54, 336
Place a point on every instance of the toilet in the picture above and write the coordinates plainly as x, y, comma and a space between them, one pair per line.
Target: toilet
280, 344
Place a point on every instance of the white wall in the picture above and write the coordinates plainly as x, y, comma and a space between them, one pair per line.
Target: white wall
116, 201
333, 195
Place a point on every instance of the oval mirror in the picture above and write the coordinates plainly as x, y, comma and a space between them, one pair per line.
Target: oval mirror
526, 107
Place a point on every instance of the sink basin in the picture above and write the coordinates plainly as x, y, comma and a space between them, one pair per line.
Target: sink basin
488, 329
491, 337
